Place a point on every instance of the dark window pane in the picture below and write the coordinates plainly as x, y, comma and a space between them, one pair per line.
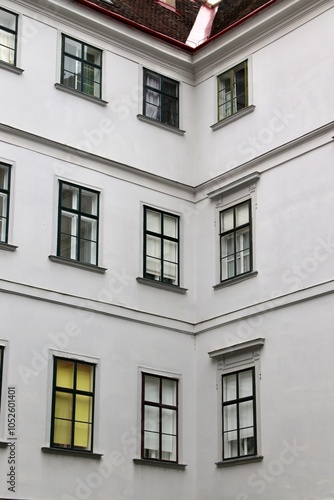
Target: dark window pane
235, 244
161, 99
238, 406
82, 67
159, 418
78, 224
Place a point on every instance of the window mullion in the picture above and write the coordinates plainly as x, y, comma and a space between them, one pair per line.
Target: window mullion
234, 242
82, 62
79, 224
254, 411
162, 256
74, 403
1, 370
233, 97
160, 419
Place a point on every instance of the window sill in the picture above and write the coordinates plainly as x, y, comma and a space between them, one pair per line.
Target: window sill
72, 453
11, 68
77, 264
3, 444
159, 463
164, 126
239, 461
87, 97
235, 280
8, 247
162, 286
232, 118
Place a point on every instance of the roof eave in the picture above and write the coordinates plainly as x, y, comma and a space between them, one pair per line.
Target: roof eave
166, 38
234, 25
134, 24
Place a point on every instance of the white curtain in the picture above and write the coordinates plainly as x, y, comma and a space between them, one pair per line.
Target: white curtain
7, 42
152, 98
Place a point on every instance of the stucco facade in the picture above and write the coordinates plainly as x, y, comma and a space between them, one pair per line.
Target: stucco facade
275, 156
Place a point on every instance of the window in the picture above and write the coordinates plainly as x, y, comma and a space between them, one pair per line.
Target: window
170, 3
1, 370
239, 375
161, 246
4, 201
78, 223
232, 91
8, 36
239, 415
81, 67
73, 405
159, 418
161, 98
235, 241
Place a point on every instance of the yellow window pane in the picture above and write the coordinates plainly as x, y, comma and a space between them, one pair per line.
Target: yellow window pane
64, 373
83, 408
63, 407
85, 377
82, 435
62, 433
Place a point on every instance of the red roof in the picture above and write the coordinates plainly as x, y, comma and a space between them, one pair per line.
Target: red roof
159, 19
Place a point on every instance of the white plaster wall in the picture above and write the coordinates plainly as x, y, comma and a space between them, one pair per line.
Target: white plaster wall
33, 228
292, 240
112, 131
35, 330
290, 85
293, 203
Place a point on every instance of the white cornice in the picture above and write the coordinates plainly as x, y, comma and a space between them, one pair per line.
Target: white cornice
271, 159
125, 39
249, 345
176, 325
64, 152
255, 33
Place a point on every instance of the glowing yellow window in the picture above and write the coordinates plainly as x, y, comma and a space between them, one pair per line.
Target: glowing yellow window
73, 404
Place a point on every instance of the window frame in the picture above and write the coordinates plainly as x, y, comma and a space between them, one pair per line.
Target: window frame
237, 401
74, 391
160, 405
6, 193
12, 32
163, 97
2, 351
82, 62
162, 237
233, 232
79, 213
230, 75
229, 360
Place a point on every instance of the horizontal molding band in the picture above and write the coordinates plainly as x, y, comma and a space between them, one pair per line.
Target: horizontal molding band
168, 323
84, 159
195, 194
